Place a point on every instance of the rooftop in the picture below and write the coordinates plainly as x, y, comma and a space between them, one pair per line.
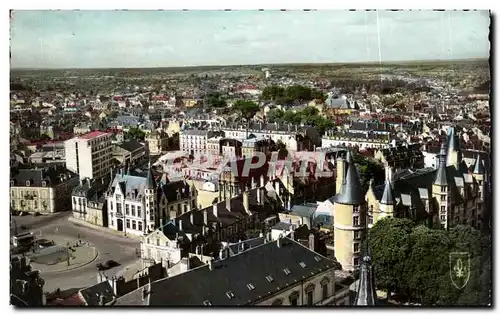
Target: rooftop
92, 135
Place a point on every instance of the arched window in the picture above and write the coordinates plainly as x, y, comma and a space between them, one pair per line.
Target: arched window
324, 288
294, 298
277, 302
309, 290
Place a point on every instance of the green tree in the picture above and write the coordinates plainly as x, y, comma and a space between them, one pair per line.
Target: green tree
136, 133
247, 109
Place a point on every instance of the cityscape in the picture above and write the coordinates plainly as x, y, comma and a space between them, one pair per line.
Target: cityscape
319, 158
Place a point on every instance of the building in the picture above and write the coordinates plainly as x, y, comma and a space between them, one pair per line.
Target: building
276, 273
366, 294
401, 157
89, 155
137, 204
194, 141
45, 190
253, 145
369, 140
89, 201
157, 142
129, 152
26, 285
441, 197
349, 212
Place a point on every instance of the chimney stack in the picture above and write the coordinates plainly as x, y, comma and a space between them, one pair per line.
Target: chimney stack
245, 201
214, 208
205, 217
210, 264
292, 232
228, 204
144, 293
179, 222
262, 181
311, 242
191, 218
279, 240
101, 300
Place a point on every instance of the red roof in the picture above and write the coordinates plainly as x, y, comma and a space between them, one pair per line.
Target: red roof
92, 135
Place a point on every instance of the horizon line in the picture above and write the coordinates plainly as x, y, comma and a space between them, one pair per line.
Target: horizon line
266, 64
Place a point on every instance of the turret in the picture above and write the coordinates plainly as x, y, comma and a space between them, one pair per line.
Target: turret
386, 204
453, 156
150, 179
440, 189
350, 218
366, 294
478, 174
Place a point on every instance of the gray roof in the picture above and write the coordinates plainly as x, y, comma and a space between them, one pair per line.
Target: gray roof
366, 295
53, 175
441, 178
387, 198
305, 210
453, 141
91, 295
150, 178
202, 285
478, 167
351, 192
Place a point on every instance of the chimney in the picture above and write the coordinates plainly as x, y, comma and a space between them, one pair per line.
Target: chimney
210, 264
228, 204
245, 201
259, 196
101, 300
277, 188
197, 249
205, 217
292, 234
261, 234
191, 218
252, 185
185, 264
144, 293
214, 208
279, 240
311, 242
262, 181
340, 174
179, 222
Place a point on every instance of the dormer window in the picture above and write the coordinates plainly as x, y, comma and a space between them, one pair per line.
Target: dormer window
28, 183
44, 183
12, 183
302, 264
207, 303
287, 271
269, 278
250, 286
230, 294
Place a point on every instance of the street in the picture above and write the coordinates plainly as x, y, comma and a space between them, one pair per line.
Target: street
109, 246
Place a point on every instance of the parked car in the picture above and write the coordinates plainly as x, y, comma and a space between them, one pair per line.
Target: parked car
107, 265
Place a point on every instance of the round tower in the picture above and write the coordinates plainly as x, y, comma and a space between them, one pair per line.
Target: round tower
349, 212
441, 191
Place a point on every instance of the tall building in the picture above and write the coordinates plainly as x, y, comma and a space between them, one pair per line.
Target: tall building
89, 155
365, 292
349, 212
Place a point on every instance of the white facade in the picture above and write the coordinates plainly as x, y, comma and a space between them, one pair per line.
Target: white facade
194, 140
89, 155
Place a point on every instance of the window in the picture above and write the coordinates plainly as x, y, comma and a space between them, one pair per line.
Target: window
132, 207
128, 224
138, 211
13, 202
442, 217
443, 208
355, 221
443, 198
356, 261
277, 302
134, 227
250, 286
270, 278
287, 271
443, 189
139, 226
112, 223
324, 288
443, 226
310, 298
127, 210
111, 206
294, 298
356, 247
370, 220
119, 207
355, 209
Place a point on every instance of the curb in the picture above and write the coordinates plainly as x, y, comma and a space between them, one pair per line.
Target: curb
74, 268
102, 229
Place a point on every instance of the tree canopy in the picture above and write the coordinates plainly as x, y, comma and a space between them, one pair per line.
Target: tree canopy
247, 109
414, 260
136, 133
291, 94
215, 100
308, 116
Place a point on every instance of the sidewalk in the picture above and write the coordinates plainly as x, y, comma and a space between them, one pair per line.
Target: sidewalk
108, 231
82, 256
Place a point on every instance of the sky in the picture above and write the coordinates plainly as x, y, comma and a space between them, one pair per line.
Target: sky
114, 39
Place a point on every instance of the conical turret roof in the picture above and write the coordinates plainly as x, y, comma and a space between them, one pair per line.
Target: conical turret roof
366, 294
387, 196
441, 178
151, 178
478, 167
351, 192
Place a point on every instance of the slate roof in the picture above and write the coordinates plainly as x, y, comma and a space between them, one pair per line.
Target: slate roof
305, 210
366, 295
50, 174
131, 145
91, 295
351, 192
228, 283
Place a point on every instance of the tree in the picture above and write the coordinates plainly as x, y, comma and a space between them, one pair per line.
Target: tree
136, 133
44, 137
415, 260
247, 109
